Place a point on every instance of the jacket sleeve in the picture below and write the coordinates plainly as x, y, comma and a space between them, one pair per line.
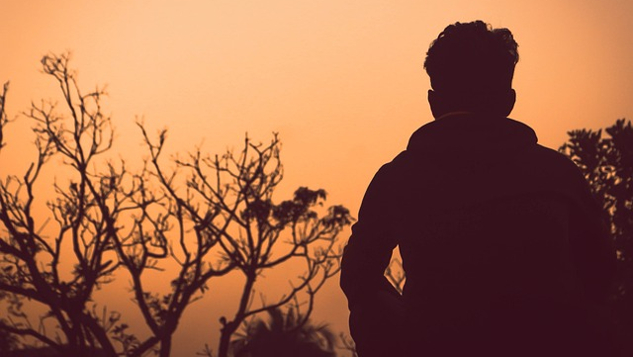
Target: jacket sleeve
369, 249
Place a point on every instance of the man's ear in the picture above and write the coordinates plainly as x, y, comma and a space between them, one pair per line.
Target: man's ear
435, 102
430, 96
509, 100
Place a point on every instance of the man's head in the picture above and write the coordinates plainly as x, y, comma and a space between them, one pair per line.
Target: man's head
471, 67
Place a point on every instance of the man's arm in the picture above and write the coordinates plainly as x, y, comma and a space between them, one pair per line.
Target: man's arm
376, 308
368, 251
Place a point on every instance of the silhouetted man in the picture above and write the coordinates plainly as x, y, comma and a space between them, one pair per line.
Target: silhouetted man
502, 244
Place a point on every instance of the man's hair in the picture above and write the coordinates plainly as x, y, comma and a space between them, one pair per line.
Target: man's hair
472, 59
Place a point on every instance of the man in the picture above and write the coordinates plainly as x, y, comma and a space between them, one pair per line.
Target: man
502, 244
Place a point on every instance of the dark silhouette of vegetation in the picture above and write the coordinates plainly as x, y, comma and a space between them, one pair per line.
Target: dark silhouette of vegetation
347, 344
8, 342
607, 163
395, 274
208, 216
284, 335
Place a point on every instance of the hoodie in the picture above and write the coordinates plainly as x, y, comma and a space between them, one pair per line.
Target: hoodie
492, 227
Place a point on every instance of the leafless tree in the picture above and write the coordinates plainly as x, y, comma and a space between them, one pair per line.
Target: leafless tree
210, 214
229, 201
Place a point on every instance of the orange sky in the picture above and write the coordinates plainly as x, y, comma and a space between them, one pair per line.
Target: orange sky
342, 81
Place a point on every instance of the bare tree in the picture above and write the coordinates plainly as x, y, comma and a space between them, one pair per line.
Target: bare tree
210, 214
229, 202
30, 260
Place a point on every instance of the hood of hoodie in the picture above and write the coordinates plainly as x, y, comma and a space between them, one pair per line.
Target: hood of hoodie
468, 143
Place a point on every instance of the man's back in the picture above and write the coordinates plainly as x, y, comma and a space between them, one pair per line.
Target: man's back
494, 278
502, 243
497, 236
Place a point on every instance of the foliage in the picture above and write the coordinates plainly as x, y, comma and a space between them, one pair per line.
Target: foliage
347, 344
395, 274
210, 215
284, 335
607, 164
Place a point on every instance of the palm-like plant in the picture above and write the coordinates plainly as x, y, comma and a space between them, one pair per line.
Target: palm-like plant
284, 335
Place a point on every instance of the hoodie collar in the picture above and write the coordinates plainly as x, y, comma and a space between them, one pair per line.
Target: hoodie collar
461, 131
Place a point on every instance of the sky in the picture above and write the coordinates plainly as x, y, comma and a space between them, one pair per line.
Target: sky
341, 81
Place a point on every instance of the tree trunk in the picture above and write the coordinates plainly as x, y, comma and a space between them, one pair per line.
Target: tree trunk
230, 327
225, 338
165, 346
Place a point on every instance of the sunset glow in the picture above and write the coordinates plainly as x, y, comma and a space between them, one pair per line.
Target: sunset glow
342, 82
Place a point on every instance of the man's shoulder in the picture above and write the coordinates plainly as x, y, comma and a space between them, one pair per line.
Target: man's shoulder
549, 152
553, 160
553, 168
391, 173
396, 165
